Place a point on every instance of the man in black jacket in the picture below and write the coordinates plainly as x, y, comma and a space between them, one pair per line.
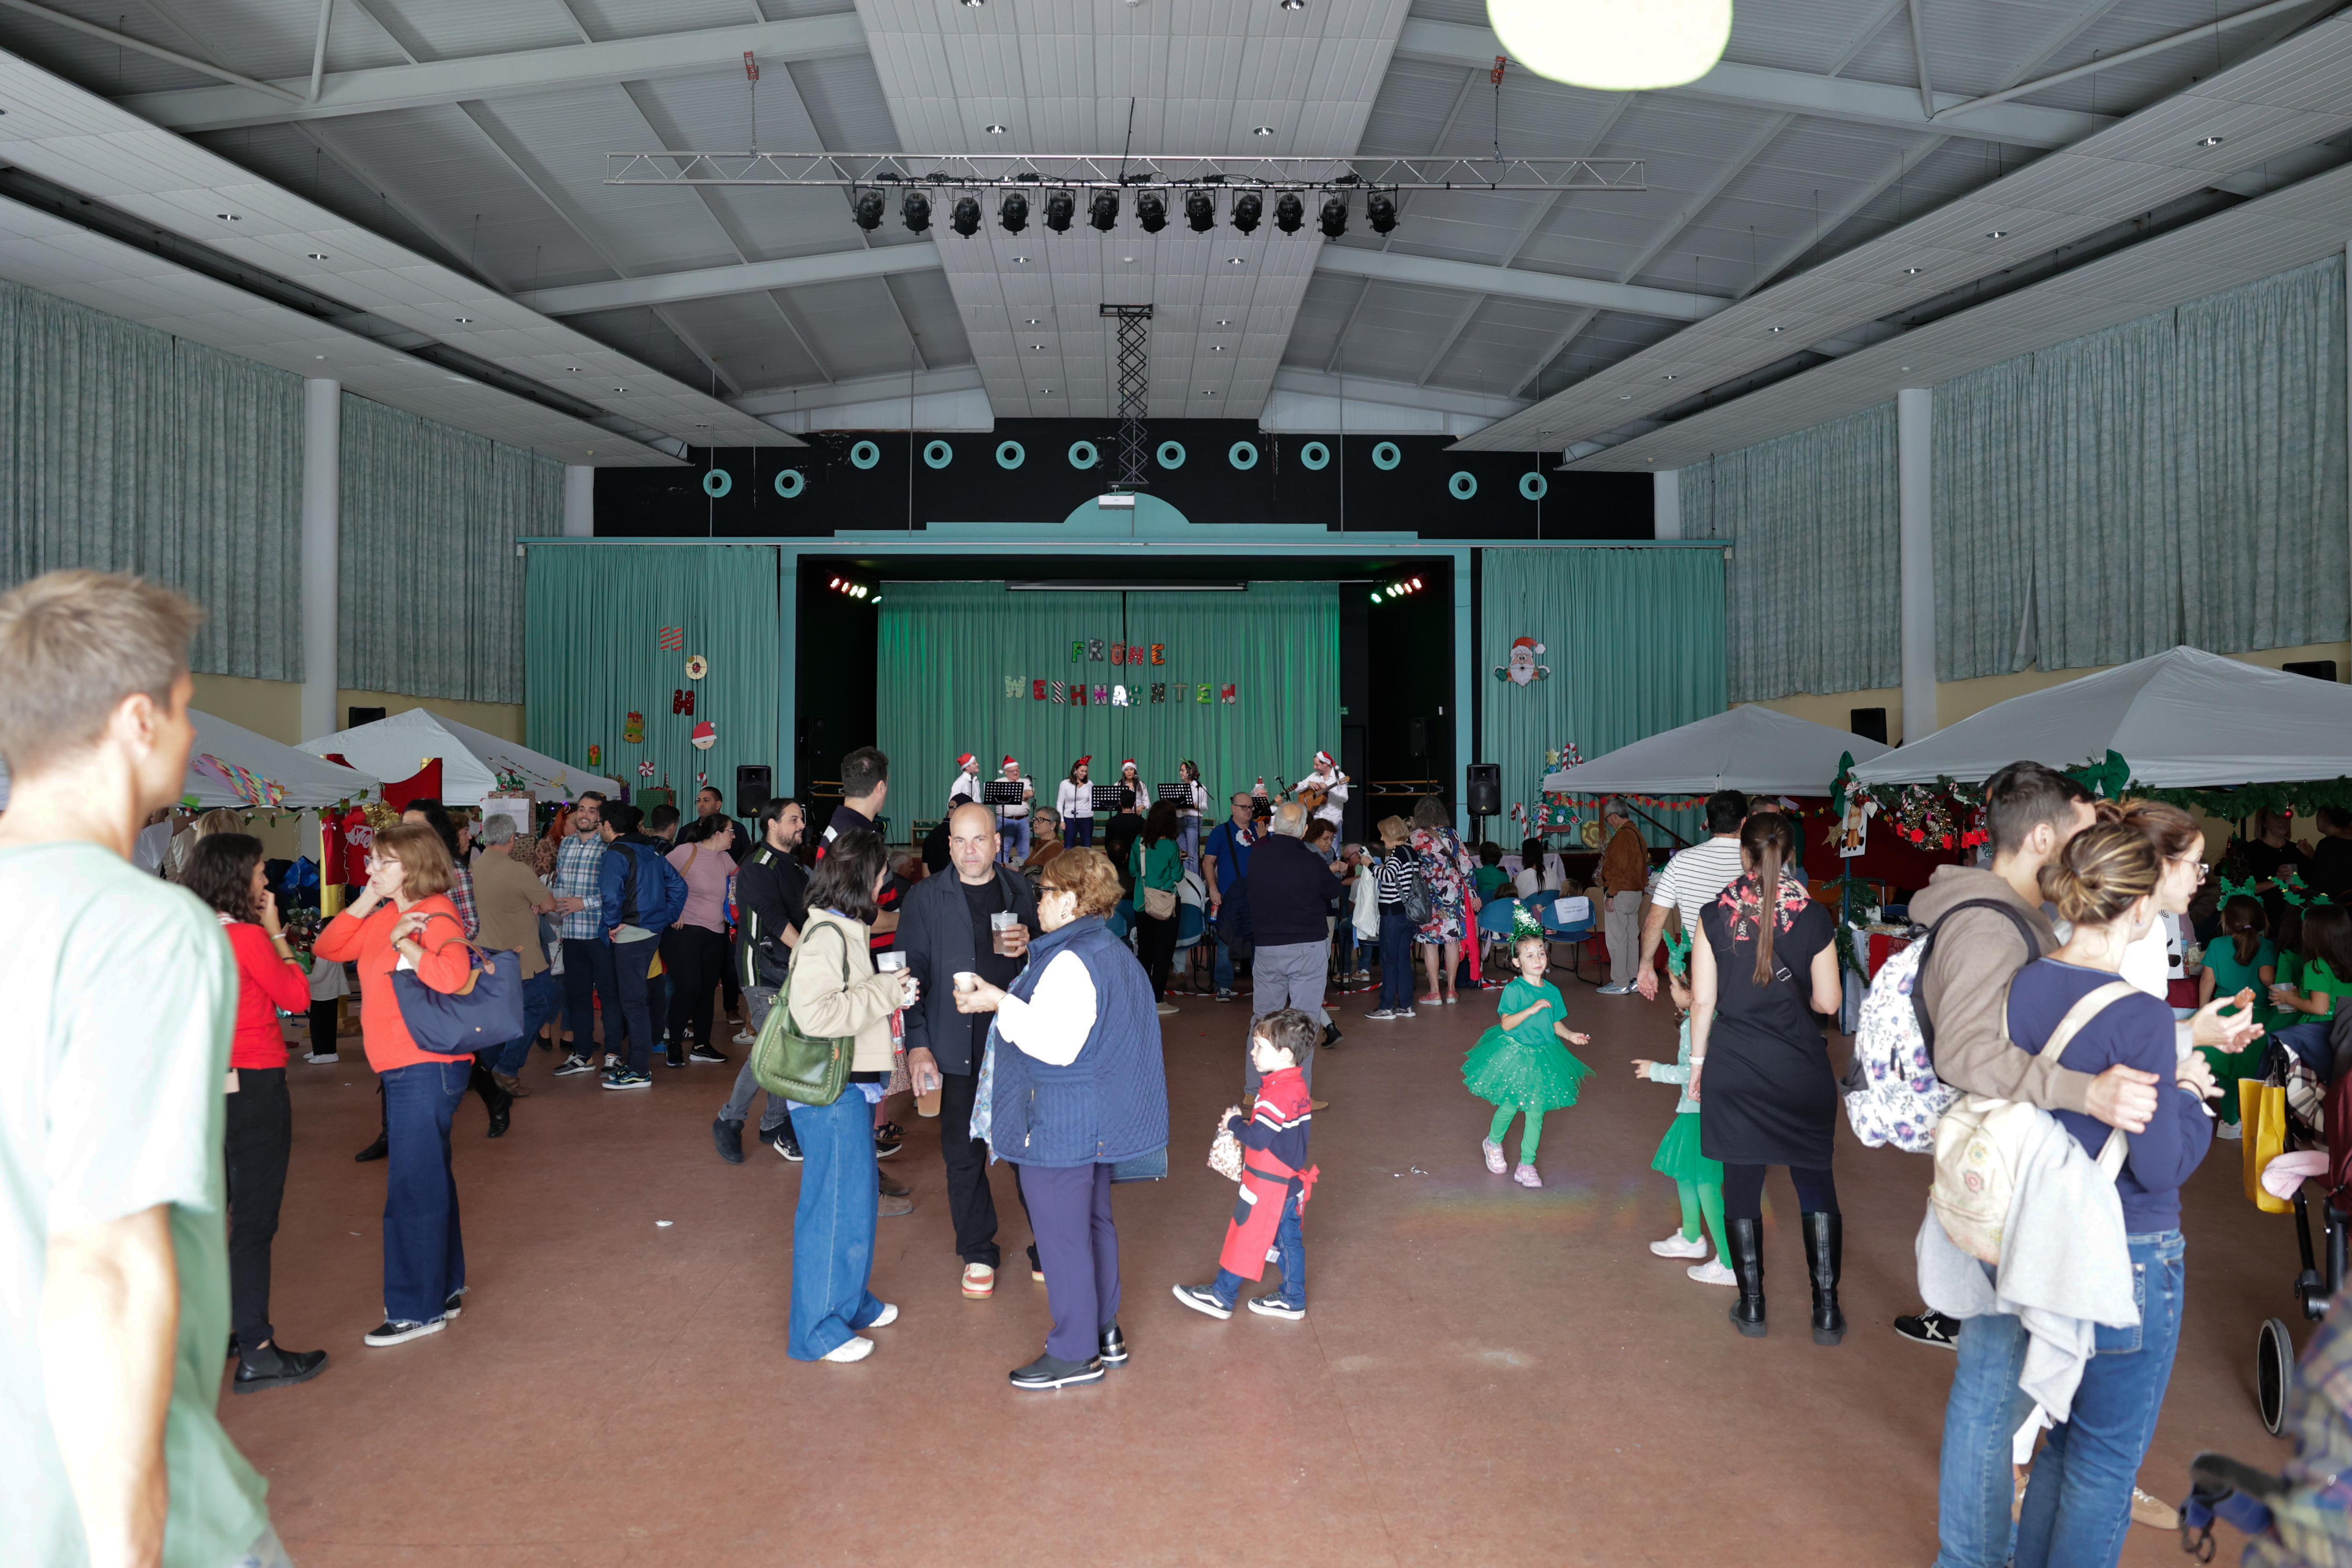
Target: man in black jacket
946, 925
1290, 891
771, 902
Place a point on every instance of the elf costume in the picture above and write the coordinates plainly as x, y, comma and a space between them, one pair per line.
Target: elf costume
1699, 1181
1527, 1068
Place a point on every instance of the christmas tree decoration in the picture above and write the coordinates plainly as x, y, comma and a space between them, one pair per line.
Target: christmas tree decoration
646, 769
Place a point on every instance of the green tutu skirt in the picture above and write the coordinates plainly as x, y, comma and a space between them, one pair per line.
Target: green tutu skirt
1678, 1155
1539, 1077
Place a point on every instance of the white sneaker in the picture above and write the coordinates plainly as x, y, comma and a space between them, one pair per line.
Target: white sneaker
2229, 1131
1614, 990
322, 1057
1383, 1013
1494, 1153
1168, 1010
1525, 1176
745, 1037
886, 1317
1680, 1246
849, 1349
1712, 1273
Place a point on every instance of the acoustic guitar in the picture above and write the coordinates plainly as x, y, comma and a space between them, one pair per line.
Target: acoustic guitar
1311, 798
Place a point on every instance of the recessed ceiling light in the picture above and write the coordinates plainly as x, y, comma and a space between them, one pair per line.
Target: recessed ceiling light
1019, 261
1624, 397
319, 256
1261, 131
1998, 233
1225, 321
463, 321
1048, 391
996, 130
1038, 345
1031, 322
318, 356
1903, 367
1232, 261
2213, 141
1779, 329
1910, 272
1294, 4
571, 369
1216, 348
1129, 259
229, 217
1670, 378
1208, 395
620, 388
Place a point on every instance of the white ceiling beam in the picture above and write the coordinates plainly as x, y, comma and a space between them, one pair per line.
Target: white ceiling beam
719, 282
508, 75
1517, 283
1797, 93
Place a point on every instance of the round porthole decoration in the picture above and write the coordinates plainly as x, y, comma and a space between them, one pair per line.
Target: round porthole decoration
717, 482
789, 482
1533, 486
1314, 455
1242, 454
865, 455
1462, 486
1009, 454
1385, 457
1083, 454
697, 667
937, 455
1171, 454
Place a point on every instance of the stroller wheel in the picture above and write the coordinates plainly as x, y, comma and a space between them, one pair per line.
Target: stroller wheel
2273, 1372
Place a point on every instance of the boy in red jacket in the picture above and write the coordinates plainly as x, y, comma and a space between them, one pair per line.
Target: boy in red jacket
1275, 1176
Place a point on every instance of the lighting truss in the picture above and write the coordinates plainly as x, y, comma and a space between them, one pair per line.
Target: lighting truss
1108, 171
1134, 390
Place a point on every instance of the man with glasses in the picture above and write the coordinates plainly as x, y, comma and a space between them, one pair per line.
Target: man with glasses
1224, 860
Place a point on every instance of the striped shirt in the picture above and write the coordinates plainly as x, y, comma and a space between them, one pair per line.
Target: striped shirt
1694, 876
579, 864
1395, 877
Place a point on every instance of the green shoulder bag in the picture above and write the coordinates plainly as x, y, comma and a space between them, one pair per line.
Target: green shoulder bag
789, 1063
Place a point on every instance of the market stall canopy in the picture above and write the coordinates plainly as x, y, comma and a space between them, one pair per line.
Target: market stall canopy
2182, 719
474, 765
230, 765
1760, 750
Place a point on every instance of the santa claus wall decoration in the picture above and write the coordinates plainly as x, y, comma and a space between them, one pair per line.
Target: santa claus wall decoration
1523, 670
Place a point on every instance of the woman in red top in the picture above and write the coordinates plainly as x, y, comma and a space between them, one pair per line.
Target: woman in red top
225, 870
403, 920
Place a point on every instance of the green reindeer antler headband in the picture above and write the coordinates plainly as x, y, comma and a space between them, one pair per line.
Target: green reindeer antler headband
1524, 924
2237, 889
2291, 888
1678, 952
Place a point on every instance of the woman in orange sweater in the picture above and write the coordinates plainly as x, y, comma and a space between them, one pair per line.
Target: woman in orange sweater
404, 920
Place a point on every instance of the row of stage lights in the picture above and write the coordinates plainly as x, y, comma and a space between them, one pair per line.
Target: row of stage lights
1396, 590
856, 590
867, 208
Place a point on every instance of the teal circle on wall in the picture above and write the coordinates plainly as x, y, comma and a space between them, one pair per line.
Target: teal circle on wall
1463, 486
789, 484
1083, 454
1009, 454
1242, 454
1534, 487
865, 455
1386, 456
717, 482
1314, 455
1171, 454
937, 455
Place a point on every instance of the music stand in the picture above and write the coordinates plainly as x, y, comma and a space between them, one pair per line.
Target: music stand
1176, 792
1105, 798
1003, 792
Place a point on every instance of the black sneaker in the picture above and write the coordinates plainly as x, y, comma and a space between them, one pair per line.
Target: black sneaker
1226, 995
1276, 1307
270, 1367
1114, 1347
621, 1078
1331, 1036
1931, 1328
784, 1143
1049, 1372
399, 1331
706, 1051
573, 1065
888, 1138
729, 1136
455, 1301
1201, 1298
674, 1055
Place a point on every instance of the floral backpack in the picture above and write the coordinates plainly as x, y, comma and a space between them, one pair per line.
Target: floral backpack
1892, 1093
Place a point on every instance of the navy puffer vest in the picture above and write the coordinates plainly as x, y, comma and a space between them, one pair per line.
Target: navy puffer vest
1111, 1103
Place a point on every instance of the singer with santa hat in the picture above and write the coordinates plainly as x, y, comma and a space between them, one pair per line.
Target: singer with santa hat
967, 784
1013, 821
1330, 783
1074, 797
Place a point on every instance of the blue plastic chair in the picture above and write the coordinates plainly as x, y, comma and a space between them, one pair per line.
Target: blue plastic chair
1578, 935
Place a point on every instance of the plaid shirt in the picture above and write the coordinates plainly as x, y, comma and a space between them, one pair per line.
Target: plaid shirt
2309, 1520
577, 862
461, 893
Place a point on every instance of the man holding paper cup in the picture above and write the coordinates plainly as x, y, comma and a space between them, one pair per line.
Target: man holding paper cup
976, 922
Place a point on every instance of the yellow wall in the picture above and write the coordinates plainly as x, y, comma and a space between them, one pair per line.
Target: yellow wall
274, 708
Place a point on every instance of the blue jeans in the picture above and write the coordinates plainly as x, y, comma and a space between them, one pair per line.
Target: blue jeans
2308, 1040
2083, 1479
1293, 1248
588, 967
1078, 832
1188, 840
833, 1229
630, 962
1223, 967
1396, 958
1014, 849
424, 1251
542, 1003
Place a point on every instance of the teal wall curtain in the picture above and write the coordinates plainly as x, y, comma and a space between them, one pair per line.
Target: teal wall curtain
127, 450
1634, 640
593, 655
1816, 569
431, 602
948, 650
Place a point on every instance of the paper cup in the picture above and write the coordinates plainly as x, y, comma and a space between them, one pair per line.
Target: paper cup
965, 980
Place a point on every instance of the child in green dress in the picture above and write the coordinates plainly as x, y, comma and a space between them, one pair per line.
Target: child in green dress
1519, 1066
1699, 1181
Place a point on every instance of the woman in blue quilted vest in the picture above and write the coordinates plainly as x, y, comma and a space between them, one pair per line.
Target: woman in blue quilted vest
1079, 1087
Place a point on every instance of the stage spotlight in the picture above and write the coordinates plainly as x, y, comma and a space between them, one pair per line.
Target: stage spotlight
1334, 218
1059, 207
1289, 212
1015, 213
1150, 212
964, 216
1200, 212
1248, 209
1103, 210
1381, 211
915, 211
866, 207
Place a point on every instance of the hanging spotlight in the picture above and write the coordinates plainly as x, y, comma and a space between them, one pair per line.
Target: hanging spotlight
1334, 219
1611, 45
1103, 211
866, 207
1150, 212
1381, 211
1059, 207
1289, 212
1015, 213
964, 216
1248, 209
915, 211
1201, 211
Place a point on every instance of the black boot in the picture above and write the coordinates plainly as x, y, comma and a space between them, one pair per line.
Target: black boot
1747, 1238
1824, 1259
495, 1098
374, 1151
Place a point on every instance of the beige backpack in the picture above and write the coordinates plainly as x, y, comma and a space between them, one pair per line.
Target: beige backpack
1980, 1140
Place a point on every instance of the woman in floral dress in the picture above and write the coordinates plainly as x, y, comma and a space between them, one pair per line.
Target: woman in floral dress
1446, 869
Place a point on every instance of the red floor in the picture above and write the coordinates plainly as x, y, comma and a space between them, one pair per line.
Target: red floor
1486, 1375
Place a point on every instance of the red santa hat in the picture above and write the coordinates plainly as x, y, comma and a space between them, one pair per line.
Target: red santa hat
1008, 762
1127, 763
705, 735
1529, 643
1322, 759
966, 760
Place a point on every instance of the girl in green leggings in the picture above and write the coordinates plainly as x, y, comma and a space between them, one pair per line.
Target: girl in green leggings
1699, 1181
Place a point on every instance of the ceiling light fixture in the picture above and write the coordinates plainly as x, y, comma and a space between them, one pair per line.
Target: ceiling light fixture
1031, 322
1779, 329
1200, 211
229, 217
1037, 346
1333, 219
1019, 261
318, 256
865, 210
463, 321
1997, 234
1014, 212
996, 130
915, 211
1234, 260
1060, 206
1103, 210
1380, 211
1261, 131
2213, 141
1294, 4
964, 216
1289, 212
1225, 321
1910, 272
1611, 45
1249, 208
1150, 213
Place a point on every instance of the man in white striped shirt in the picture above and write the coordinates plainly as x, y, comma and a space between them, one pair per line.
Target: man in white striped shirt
1691, 877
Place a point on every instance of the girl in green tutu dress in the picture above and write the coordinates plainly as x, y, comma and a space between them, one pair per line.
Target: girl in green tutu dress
1698, 1180
1519, 1066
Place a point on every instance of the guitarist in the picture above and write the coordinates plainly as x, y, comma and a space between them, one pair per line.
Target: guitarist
1323, 792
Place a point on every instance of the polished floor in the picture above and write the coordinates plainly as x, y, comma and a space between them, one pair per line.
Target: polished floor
1486, 1375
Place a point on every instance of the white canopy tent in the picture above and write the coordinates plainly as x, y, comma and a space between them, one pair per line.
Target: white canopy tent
231, 766
1760, 750
2182, 719
395, 746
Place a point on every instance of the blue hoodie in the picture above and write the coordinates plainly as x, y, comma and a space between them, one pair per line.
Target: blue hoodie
660, 891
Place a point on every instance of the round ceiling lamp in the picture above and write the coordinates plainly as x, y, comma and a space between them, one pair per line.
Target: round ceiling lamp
1616, 46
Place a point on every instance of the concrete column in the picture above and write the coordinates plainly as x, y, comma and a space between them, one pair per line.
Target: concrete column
1915, 415
1666, 498
322, 527
579, 502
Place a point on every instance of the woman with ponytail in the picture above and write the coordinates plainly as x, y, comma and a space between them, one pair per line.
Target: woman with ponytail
1760, 1068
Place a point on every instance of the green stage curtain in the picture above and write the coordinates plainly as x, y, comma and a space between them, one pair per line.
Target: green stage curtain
592, 654
949, 649
1635, 641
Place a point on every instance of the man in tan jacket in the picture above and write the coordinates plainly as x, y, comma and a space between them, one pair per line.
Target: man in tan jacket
1625, 874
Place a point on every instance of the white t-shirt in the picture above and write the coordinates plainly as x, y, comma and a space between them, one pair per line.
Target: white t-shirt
967, 784
1696, 875
1335, 784
1028, 796
121, 998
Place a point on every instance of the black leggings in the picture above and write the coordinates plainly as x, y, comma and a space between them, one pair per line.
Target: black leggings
1155, 944
1743, 1190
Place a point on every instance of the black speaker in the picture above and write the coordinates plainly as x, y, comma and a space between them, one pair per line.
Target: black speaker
360, 715
1486, 789
755, 784
2317, 669
1870, 723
